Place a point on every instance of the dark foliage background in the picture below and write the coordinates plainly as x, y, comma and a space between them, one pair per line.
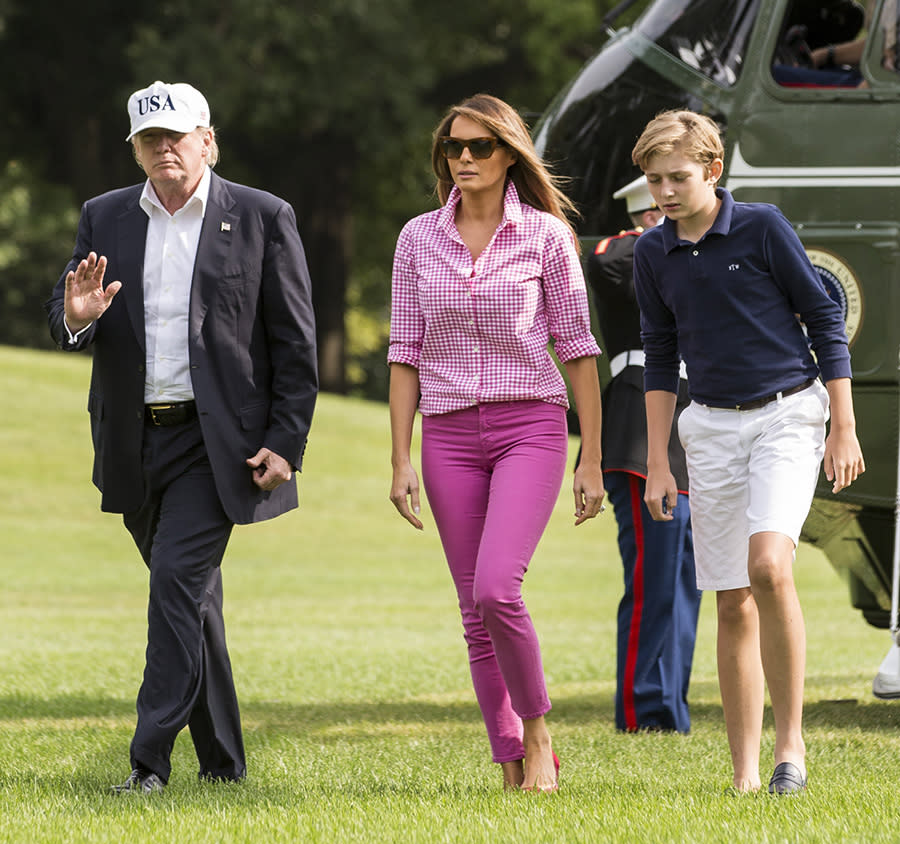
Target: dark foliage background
328, 104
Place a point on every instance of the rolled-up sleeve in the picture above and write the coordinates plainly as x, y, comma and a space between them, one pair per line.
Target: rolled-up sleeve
568, 313
407, 321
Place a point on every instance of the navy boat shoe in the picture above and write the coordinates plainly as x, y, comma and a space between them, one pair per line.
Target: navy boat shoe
787, 779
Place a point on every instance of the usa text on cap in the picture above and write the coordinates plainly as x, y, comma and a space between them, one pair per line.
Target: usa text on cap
176, 106
636, 195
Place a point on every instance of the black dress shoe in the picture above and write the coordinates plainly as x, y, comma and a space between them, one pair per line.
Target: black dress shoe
140, 782
206, 776
787, 779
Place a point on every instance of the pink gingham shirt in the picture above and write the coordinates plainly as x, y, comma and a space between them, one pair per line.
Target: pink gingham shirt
478, 332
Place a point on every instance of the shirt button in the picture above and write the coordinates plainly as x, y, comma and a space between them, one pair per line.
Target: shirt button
696, 252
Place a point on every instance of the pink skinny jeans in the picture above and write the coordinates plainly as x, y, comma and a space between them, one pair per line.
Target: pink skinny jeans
492, 474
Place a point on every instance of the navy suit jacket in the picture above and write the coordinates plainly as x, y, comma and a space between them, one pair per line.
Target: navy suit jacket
251, 343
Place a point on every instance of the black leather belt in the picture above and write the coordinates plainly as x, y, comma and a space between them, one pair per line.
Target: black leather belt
170, 413
758, 403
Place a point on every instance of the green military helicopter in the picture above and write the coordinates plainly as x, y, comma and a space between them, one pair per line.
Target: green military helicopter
817, 138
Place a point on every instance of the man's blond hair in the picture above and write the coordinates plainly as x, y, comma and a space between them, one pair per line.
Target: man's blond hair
696, 135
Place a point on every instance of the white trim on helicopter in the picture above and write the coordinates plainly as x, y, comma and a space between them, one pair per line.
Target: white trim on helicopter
741, 174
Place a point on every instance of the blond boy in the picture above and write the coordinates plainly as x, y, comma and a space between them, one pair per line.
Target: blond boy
720, 284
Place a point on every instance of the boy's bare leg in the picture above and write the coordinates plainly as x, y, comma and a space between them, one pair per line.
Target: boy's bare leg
782, 639
741, 682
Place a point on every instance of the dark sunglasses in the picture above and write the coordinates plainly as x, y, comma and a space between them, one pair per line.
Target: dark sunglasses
479, 147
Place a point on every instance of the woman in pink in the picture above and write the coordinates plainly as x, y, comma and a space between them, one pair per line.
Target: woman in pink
479, 288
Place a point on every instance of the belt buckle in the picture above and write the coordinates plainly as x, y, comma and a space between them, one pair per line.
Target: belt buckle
154, 408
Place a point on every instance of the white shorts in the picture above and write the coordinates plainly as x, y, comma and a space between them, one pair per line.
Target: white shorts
750, 471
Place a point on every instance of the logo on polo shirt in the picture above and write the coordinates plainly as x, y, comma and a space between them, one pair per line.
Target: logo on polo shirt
842, 285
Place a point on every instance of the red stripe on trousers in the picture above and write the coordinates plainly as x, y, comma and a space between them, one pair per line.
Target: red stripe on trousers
637, 607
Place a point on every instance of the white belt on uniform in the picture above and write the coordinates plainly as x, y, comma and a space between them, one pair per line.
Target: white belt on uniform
635, 357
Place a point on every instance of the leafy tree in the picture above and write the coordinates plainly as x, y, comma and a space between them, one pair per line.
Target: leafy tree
329, 104
37, 221
61, 141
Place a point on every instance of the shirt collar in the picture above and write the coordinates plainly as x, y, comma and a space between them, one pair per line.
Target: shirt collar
149, 199
512, 208
721, 225
512, 205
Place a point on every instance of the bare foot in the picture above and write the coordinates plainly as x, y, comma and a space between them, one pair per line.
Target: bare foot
513, 774
540, 766
746, 786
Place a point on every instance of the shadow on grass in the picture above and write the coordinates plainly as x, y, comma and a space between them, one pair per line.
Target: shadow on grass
334, 733
30, 707
868, 715
574, 711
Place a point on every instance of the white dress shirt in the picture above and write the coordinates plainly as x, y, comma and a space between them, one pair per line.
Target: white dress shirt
169, 256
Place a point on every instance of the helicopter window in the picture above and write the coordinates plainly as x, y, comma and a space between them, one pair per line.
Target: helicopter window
880, 59
831, 44
594, 127
711, 35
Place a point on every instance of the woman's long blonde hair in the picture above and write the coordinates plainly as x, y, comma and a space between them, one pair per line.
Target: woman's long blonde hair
536, 185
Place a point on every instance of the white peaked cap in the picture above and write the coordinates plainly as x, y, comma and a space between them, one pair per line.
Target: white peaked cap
636, 195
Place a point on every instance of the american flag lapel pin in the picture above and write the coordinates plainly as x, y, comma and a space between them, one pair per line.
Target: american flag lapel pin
225, 227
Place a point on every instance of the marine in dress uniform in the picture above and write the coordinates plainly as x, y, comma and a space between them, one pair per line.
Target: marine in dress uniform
657, 617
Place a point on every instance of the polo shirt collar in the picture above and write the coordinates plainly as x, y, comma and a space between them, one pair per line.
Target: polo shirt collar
721, 225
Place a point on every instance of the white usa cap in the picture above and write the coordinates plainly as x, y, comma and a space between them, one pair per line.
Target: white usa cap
177, 106
636, 195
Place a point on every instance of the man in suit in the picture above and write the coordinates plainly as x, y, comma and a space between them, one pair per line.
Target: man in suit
657, 617
201, 398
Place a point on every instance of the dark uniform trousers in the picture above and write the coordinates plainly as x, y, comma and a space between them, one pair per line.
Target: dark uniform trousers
657, 618
658, 612
182, 531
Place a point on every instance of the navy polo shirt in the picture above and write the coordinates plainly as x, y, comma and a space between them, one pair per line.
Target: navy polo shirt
729, 305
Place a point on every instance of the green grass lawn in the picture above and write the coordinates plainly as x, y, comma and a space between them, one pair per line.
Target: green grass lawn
360, 722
